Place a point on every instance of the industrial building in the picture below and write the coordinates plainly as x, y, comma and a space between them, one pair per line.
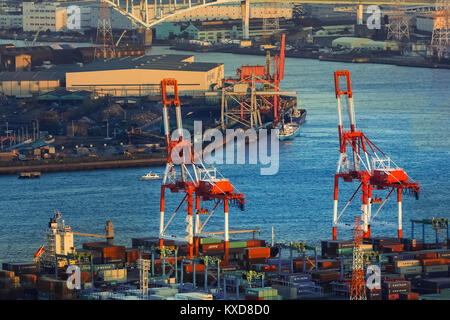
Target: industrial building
364, 43
234, 11
141, 76
10, 20
26, 84
44, 16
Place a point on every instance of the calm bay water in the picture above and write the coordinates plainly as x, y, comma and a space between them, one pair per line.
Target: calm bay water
404, 111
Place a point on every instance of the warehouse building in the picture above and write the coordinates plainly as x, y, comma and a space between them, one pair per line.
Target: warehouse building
141, 76
26, 84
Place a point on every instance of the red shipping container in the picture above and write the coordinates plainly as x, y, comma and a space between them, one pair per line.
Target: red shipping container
329, 264
94, 245
85, 277
298, 265
213, 246
28, 278
131, 255
198, 268
427, 255
393, 248
114, 252
409, 296
394, 296
258, 253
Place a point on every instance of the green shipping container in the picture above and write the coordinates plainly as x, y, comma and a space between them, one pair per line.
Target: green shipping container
409, 270
237, 244
209, 240
442, 268
345, 251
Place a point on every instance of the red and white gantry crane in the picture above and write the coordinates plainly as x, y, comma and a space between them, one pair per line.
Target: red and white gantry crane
187, 173
364, 162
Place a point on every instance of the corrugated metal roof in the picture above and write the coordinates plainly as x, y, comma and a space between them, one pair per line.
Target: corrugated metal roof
159, 62
32, 76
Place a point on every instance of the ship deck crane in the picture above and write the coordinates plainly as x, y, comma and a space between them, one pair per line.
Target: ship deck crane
198, 180
261, 74
109, 233
362, 161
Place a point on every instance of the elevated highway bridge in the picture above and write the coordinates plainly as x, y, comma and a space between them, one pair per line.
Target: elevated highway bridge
151, 12
148, 13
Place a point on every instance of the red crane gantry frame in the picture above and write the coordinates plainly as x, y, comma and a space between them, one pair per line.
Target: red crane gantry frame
262, 74
199, 182
376, 175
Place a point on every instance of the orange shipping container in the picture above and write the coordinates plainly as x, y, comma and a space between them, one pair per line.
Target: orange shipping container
258, 253
198, 268
433, 262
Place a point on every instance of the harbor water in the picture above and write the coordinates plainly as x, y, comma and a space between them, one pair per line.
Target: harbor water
404, 111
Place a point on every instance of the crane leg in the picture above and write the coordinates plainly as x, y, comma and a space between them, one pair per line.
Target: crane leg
225, 203
335, 206
161, 222
197, 225
399, 201
365, 217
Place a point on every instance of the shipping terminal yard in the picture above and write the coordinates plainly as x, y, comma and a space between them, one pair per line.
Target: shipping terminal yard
107, 107
210, 266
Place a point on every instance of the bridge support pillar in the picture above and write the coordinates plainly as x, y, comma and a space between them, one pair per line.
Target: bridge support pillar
360, 14
148, 36
245, 19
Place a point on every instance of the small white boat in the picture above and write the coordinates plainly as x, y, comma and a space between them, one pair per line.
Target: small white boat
150, 176
288, 131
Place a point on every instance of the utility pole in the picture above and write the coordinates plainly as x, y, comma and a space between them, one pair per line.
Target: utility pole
104, 34
358, 288
398, 26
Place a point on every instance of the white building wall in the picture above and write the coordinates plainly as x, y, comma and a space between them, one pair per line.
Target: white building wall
43, 16
231, 11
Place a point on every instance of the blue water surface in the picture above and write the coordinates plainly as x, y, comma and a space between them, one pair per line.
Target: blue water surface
404, 111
